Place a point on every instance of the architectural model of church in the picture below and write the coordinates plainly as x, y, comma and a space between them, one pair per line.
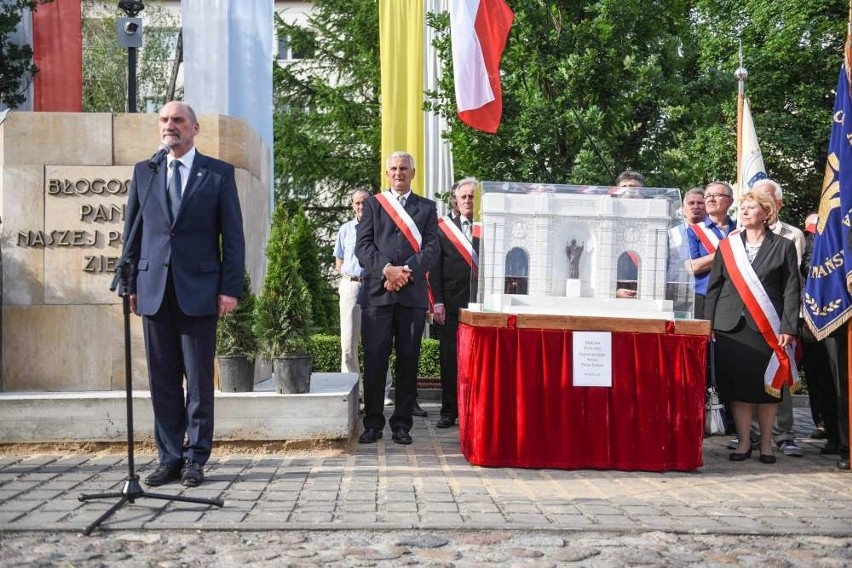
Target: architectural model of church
579, 250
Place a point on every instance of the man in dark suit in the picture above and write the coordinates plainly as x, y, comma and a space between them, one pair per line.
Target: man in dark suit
187, 261
451, 286
397, 244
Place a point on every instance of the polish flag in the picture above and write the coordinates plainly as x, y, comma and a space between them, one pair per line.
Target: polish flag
479, 29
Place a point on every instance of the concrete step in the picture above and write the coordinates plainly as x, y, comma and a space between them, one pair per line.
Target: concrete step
328, 412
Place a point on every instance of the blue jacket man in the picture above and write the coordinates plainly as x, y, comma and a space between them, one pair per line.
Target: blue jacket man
187, 261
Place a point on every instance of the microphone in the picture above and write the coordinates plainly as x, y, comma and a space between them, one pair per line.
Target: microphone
159, 156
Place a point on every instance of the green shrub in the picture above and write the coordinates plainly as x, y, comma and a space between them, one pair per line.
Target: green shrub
234, 333
325, 350
430, 358
282, 315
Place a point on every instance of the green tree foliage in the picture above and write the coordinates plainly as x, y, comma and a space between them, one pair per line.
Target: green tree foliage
282, 317
16, 61
589, 89
105, 63
324, 312
327, 130
327, 125
652, 84
616, 70
793, 52
235, 333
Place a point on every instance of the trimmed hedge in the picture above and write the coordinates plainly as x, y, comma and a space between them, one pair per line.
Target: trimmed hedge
325, 349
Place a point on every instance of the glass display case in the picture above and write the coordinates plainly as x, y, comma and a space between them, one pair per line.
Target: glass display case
582, 251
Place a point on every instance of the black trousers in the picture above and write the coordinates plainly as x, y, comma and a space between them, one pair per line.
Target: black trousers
450, 367
384, 328
178, 346
835, 345
822, 392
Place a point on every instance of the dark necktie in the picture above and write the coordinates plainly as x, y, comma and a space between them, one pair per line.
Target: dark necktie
174, 188
401, 199
466, 228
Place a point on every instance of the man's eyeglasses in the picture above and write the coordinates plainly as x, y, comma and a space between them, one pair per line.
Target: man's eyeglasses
716, 195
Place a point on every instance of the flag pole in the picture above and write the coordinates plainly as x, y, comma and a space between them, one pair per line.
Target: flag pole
846, 62
740, 75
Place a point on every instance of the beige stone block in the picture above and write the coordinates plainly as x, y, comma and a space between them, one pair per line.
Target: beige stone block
254, 204
240, 145
56, 138
231, 139
136, 137
83, 222
69, 348
22, 212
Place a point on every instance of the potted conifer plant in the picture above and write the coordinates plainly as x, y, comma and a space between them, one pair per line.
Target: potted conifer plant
236, 346
283, 309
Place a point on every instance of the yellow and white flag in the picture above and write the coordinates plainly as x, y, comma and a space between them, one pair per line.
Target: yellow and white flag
410, 67
751, 161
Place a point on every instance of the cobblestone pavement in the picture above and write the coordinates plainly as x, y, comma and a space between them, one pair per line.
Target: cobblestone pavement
386, 504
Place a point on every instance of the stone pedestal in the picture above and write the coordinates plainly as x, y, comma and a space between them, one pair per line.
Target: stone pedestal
64, 179
573, 288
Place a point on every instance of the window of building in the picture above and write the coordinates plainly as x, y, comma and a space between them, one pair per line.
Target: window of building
291, 49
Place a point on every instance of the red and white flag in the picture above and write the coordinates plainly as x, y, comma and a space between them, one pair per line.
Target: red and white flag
479, 29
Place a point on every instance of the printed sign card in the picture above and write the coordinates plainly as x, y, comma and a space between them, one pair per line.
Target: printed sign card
592, 359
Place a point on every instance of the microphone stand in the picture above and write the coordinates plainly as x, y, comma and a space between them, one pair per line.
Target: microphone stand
132, 490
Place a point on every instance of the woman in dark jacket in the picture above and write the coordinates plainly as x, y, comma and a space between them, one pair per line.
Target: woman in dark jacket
753, 304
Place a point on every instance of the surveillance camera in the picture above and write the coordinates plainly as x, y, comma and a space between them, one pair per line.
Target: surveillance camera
130, 28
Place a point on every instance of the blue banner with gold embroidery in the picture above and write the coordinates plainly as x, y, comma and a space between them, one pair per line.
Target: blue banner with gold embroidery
827, 303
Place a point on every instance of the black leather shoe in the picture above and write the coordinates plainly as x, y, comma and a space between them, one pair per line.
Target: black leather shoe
163, 474
843, 464
445, 422
417, 411
370, 436
401, 437
192, 475
767, 458
737, 457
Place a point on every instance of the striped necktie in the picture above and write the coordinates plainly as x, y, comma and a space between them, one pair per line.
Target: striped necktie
175, 189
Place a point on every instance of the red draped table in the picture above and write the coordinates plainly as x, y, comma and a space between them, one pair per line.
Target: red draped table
518, 406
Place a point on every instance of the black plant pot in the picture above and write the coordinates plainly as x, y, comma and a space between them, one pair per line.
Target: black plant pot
236, 373
292, 374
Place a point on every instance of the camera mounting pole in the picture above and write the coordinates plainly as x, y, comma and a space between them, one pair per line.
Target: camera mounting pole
129, 34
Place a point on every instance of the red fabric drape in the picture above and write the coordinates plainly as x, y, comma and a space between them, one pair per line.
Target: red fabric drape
58, 54
518, 407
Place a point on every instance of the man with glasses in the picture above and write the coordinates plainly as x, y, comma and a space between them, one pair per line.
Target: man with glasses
451, 285
704, 237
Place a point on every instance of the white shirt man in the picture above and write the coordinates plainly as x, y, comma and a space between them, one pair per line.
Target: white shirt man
350, 271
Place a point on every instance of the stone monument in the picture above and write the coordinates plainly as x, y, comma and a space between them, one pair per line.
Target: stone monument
64, 179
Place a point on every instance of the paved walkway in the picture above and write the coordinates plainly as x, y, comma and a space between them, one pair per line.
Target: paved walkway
427, 497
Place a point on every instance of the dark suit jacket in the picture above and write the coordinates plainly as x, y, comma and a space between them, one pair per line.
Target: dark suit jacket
204, 247
777, 267
380, 242
451, 276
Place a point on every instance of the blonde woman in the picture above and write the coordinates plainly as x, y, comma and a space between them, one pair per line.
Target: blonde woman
753, 304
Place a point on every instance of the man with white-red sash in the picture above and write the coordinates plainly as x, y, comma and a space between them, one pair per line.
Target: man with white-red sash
704, 237
451, 285
397, 244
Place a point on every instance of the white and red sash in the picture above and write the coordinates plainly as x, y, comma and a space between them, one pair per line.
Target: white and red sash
401, 219
781, 369
408, 228
707, 237
459, 241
